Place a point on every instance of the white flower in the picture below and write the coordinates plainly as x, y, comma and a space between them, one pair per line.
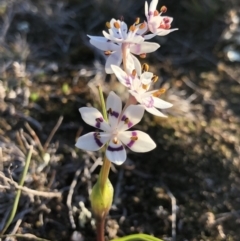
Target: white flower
117, 38
139, 86
157, 24
115, 131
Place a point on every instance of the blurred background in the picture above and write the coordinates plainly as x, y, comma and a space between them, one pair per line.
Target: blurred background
188, 188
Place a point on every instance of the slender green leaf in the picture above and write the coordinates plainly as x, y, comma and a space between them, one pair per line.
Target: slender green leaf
18, 194
137, 237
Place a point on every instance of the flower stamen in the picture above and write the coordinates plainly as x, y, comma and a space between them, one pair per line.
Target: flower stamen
132, 28
143, 25
159, 92
154, 78
145, 67
115, 140
134, 72
126, 121
116, 25
134, 138
143, 56
108, 52
108, 25
137, 20
163, 9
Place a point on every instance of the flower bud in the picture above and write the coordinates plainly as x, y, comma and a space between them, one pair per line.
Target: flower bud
101, 199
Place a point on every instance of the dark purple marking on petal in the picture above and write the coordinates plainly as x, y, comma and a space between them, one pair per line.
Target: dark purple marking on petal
110, 148
123, 118
97, 139
98, 122
130, 124
115, 114
127, 121
134, 133
130, 144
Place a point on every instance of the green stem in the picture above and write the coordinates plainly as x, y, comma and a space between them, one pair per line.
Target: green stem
104, 172
17, 197
106, 163
104, 111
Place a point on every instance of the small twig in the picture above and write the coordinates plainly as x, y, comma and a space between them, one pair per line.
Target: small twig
59, 122
31, 191
23, 138
1, 159
97, 162
69, 197
17, 197
15, 229
174, 213
35, 137
20, 142
4, 187
26, 236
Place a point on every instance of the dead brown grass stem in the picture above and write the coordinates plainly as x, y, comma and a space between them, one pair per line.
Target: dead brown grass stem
35, 137
59, 122
31, 191
26, 236
69, 197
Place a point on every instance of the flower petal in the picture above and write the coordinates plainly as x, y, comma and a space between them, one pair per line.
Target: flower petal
94, 118
145, 47
114, 59
116, 153
163, 32
136, 64
153, 5
155, 112
161, 104
122, 76
130, 117
137, 141
102, 43
114, 108
146, 9
149, 36
109, 36
92, 141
